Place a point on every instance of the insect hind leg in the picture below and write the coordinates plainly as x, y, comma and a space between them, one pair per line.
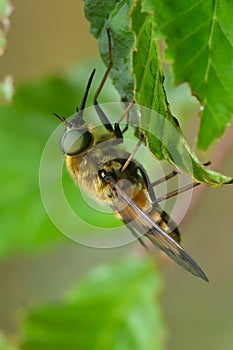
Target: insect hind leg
165, 178
171, 175
178, 191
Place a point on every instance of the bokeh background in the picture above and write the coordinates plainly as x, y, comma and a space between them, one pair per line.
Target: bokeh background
48, 38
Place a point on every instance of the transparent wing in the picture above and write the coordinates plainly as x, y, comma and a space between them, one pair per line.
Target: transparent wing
137, 219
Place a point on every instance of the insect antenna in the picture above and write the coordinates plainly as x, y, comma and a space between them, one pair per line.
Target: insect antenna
84, 99
79, 118
62, 119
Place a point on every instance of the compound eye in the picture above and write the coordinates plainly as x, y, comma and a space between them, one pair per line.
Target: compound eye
75, 141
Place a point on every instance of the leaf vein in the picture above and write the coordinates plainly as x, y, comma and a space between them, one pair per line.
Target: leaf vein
182, 14
220, 80
209, 44
191, 33
192, 59
224, 34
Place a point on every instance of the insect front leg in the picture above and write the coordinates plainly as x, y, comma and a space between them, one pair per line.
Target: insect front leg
142, 136
104, 119
118, 132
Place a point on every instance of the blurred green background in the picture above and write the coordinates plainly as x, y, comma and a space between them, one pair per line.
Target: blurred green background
48, 38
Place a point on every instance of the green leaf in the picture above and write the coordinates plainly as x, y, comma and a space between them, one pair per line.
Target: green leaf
164, 137
114, 307
199, 36
114, 14
149, 91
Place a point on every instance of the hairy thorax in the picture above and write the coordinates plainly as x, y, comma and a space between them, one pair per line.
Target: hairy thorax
85, 169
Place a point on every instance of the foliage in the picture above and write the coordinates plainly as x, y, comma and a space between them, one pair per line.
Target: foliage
22, 146
114, 307
164, 136
201, 51
114, 14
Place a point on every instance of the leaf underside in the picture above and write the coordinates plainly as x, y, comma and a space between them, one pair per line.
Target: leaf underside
164, 136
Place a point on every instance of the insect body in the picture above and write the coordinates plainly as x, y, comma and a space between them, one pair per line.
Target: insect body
107, 172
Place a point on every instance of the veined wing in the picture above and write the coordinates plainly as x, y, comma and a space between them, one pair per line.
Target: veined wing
137, 219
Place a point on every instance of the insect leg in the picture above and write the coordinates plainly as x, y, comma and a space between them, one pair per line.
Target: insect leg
117, 129
171, 175
165, 178
127, 117
104, 119
178, 191
132, 154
